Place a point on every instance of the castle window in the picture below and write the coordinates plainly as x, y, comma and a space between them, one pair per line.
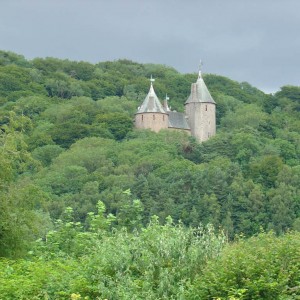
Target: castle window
153, 117
205, 107
142, 118
163, 117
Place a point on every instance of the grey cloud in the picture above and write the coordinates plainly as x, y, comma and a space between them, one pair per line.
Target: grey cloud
255, 41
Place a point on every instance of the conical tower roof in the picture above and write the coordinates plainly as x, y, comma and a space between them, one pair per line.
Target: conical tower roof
199, 92
151, 102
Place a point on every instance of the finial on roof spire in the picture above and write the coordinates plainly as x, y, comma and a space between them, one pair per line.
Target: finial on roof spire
152, 79
200, 69
165, 104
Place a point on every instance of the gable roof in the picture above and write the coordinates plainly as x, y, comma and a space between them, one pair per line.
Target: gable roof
199, 92
151, 103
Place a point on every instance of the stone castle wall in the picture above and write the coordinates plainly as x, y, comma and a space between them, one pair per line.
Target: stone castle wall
202, 120
151, 120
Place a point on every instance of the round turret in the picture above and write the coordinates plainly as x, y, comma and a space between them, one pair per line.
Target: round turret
151, 114
200, 109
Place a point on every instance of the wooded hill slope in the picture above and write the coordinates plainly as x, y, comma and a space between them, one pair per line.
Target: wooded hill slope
93, 209
67, 140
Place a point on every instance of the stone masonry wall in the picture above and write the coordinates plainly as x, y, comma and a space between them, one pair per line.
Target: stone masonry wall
153, 121
201, 118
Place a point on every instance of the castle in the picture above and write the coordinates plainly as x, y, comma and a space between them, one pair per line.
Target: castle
198, 120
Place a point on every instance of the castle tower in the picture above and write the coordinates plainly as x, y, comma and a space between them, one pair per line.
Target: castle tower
151, 114
200, 110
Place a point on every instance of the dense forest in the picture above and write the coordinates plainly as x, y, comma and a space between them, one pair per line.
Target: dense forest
92, 208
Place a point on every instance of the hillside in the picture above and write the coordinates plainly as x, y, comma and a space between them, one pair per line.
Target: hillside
69, 153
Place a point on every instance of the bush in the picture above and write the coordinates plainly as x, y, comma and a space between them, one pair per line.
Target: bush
262, 267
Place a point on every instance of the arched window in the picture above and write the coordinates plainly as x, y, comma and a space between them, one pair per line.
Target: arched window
153, 117
205, 107
142, 118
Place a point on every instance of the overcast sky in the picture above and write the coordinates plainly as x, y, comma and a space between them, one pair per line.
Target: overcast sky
257, 41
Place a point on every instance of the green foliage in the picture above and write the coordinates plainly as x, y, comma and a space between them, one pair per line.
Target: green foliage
15, 79
262, 267
31, 106
14, 157
246, 115
155, 262
47, 153
242, 91
67, 140
22, 219
7, 58
266, 169
292, 93
118, 124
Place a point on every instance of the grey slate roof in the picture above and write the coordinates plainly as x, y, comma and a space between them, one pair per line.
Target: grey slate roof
199, 92
151, 103
177, 120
